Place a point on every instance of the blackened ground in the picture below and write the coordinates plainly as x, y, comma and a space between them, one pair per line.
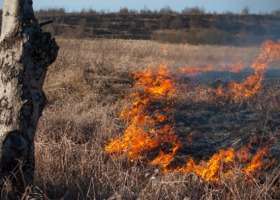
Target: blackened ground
207, 125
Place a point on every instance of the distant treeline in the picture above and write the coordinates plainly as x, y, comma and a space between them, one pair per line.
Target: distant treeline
192, 25
145, 10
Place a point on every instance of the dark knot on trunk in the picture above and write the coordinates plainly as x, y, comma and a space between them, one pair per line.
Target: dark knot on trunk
14, 150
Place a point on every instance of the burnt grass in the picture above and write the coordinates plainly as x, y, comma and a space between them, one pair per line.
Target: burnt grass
85, 92
218, 29
206, 126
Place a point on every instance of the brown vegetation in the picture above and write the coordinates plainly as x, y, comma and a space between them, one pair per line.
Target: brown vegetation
84, 88
192, 26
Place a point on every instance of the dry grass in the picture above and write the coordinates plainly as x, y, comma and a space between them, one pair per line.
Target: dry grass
83, 86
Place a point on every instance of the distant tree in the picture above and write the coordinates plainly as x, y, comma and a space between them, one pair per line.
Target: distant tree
102, 12
83, 11
52, 11
124, 11
133, 11
276, 12
92, 11
193, 11
146, 10
229, 13
245, 10
166, 10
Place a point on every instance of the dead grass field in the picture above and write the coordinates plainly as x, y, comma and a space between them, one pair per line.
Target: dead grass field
83, 87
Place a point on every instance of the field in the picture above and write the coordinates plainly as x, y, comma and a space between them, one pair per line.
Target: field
195, 28
90, 84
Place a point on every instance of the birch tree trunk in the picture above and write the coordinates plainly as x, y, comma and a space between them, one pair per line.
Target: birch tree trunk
25, 53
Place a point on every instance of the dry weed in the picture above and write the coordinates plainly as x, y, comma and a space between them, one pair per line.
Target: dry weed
83, 86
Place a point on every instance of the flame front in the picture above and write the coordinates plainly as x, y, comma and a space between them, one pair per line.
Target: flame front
222, 164
149, 116
211, 170
270, 52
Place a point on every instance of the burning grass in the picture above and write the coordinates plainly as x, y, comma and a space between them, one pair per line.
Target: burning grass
149, 116
150, 120
166, 131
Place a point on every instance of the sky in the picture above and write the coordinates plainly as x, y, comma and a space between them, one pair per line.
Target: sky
219, 6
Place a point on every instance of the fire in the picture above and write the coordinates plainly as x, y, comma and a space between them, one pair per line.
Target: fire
244, 153
219, 91
222, 164
210, 170
270, 52
149, 117
165, 159
256, 162
236, 68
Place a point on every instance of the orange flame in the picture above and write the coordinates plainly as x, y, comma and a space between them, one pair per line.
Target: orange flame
165, 159
219, 91
220, 165
211, 170
256, 162
149, 115
236, 68
150, 122
243, 154
270, 52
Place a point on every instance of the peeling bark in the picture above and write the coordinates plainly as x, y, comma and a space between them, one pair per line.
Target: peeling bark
25, 53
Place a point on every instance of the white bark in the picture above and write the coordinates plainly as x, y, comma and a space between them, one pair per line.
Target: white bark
9, 16
25, 54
